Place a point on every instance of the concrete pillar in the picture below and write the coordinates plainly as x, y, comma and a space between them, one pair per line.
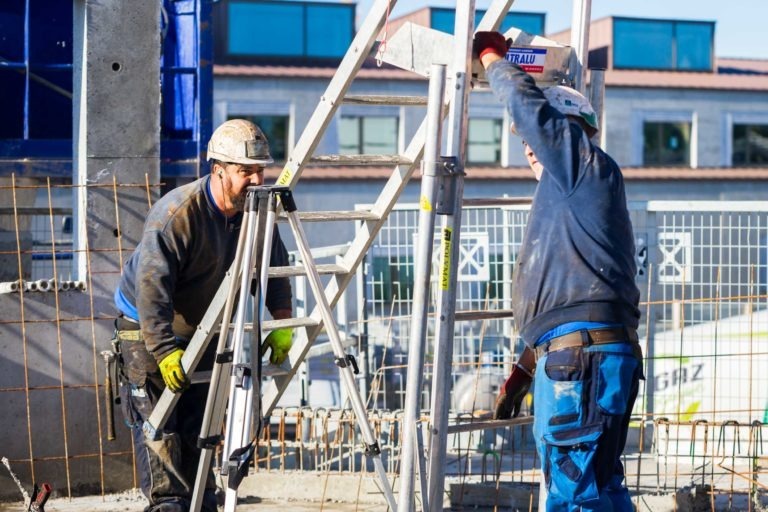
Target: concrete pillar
116, 133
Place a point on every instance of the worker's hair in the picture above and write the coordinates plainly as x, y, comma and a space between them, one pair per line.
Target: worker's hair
590, 131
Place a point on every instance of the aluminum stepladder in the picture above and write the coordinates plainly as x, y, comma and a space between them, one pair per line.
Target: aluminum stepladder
236, 377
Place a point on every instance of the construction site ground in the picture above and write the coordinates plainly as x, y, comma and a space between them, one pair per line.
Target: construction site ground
315, 491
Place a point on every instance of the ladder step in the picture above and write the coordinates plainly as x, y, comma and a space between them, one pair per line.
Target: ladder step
385, 100
489, 424
293, 323
334, 215
463, 316
301, 270
361, 160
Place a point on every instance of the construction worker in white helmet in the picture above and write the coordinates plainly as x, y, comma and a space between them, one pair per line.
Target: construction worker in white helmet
574, 296
189, 241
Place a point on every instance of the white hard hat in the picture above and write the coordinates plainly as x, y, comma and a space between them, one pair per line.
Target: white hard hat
239, 141
571, 103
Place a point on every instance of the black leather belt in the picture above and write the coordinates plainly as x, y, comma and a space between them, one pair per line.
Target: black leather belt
124, 324
587, 337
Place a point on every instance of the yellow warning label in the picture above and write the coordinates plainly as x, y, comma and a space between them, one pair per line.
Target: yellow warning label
445, 248
425, 204
285, 176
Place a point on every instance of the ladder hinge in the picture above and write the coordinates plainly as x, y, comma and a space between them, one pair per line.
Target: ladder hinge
372, 450
348, 360
241, 372
206, 443
224, 357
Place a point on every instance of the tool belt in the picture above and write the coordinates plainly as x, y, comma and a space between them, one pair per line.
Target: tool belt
127, 330
590, 337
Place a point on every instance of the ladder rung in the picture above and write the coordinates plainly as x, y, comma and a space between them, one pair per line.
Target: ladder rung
361, 159
293, 323
385, 100
301, 270
488, 424
463, 316
334, 215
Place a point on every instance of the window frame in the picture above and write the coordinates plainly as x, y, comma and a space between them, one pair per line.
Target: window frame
360, 117
640, 117
729, 120
502, 136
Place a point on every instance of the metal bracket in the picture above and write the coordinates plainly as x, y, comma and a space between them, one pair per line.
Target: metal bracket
348, 360
446, 192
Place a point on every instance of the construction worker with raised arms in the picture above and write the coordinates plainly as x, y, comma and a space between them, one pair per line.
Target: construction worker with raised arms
189, 242
574, 295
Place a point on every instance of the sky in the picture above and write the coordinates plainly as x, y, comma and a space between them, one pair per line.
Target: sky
740, 29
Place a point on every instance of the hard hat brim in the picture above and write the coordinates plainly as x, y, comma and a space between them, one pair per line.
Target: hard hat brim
243, 160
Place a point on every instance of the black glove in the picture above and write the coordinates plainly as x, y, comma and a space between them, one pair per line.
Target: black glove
512, 393
489, 42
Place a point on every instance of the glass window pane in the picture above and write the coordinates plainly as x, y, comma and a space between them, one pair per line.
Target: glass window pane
280, 29
694, 45
329, 30
645, 44
666, 143
484, 141
276, 130
750, 145
443, 20
349, 136
379, 135
530, 22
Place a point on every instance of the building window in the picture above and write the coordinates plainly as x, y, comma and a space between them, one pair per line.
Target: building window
662, 44
371, 135
484, 141
666, 143
750, 144
444, 20
276, 130
293, 29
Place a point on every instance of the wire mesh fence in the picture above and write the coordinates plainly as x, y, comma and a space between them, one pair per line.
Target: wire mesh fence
699, 420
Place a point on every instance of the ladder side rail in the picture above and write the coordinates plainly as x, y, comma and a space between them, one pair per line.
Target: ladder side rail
350, 64
420, 302
494, 15
451, 227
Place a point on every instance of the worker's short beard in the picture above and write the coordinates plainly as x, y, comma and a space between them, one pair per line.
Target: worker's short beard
238, 202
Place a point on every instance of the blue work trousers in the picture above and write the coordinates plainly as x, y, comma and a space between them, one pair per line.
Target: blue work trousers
583, 398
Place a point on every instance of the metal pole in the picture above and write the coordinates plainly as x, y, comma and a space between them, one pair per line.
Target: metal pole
422, 268
451, 227
582, 12
597, 99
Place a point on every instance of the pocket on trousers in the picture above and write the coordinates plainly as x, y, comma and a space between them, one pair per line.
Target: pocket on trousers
138, 362
570, 473
615, 376
558, 396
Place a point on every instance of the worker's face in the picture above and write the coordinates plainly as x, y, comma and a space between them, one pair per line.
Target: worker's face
235, 180
536, 167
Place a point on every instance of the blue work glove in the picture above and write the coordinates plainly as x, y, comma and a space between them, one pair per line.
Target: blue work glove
280, 341
512, 393
173, 374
